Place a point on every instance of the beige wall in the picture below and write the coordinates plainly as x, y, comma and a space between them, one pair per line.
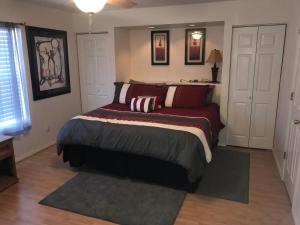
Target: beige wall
239, 12
122, 53
140, 56
51, 112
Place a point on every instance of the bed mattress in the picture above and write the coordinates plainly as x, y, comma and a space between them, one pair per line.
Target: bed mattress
184, 137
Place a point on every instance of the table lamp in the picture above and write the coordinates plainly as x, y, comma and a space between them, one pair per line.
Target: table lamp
214, 57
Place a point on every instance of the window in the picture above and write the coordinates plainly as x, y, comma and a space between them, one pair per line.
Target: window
14, 110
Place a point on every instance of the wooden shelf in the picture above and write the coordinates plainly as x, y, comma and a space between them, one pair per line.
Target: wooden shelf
4, 154
196, 83
6, 181
8, 171
5, 138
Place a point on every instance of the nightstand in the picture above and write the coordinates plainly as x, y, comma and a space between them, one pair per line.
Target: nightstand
8, 171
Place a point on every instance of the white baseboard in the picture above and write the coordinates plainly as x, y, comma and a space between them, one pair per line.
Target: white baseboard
280, 169
295, 219
34, 151
221, 143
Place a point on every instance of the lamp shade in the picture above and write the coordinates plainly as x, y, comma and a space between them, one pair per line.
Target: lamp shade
214, 57
90, 6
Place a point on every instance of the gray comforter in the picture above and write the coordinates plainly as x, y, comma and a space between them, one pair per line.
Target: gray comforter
101, 129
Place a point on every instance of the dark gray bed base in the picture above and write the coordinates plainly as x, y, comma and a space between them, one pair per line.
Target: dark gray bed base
128, 165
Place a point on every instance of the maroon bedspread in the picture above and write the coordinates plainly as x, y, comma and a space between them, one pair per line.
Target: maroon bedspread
211, 112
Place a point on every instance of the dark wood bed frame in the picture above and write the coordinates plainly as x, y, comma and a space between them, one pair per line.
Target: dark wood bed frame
128, 165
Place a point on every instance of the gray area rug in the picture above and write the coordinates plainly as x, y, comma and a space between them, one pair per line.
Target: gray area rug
227, 176
117, 200
129, 202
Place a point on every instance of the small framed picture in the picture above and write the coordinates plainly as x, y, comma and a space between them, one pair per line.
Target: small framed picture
49, 64
160, 47
195, 46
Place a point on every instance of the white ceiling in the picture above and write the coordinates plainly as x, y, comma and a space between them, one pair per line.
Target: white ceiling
70, 6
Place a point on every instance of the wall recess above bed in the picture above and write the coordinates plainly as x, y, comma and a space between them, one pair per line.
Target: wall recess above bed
133, 54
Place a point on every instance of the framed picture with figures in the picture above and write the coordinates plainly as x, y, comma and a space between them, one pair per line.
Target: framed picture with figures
49, 64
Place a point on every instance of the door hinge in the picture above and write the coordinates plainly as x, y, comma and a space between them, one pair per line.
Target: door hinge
292, 96
284, 155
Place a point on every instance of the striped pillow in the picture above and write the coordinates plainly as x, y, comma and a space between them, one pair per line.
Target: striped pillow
170, 96
156, 101
123, 93
142, 104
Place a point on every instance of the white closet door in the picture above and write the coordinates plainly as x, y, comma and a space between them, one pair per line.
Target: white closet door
269, 55
292, 170
241, 85
96, 79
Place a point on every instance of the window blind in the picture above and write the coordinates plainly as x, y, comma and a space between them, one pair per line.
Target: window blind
14, 110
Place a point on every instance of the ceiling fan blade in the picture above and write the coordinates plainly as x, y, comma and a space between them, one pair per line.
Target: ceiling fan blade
121, 3
69, 3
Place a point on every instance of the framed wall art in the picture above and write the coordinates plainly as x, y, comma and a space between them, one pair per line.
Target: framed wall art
160, 47
49, 64
195, 46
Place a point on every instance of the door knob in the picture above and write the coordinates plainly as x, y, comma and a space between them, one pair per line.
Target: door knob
296, 122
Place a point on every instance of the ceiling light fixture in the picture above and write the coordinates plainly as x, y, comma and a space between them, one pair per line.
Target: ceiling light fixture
151, 27
90, 6
192, 25
196, 35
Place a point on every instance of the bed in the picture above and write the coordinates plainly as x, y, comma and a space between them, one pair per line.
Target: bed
169, 146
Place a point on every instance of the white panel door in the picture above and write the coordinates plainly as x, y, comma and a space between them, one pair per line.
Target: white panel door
95, 69
269, 53
241, 85
292, 155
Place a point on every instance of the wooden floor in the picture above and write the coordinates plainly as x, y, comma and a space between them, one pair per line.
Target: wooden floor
44, 172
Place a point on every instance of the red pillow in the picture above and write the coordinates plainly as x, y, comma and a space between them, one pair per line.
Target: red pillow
149, 90
187, 96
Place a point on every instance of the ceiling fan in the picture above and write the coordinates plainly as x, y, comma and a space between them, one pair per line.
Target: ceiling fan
95, 6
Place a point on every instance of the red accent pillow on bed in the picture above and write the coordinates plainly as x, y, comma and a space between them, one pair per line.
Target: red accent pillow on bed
188, 96
149, 90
